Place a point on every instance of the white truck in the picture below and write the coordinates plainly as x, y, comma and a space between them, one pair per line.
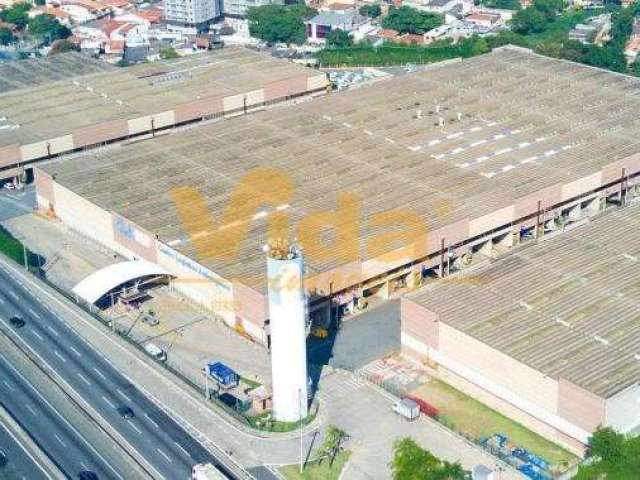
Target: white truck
407, 408
155, 352
206, 471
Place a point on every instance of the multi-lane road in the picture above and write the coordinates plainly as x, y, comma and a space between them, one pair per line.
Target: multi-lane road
49, 428
161, 446
16, 461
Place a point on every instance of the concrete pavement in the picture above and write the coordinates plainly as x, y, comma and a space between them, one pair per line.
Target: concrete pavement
166, 450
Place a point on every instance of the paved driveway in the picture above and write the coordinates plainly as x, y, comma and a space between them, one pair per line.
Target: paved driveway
361, 339
365, 413
14, 203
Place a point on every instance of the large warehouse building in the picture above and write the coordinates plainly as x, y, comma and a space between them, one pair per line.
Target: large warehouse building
384, 187
549, 334
70, 102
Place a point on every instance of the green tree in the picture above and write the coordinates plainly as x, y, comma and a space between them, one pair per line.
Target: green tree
410, 20
40, 2
46, 27
371, 11
333, 440
339, 39
279, 23
528, 21
16, 14
548, 8
61, 46
410, 462
606, 444
503, 4
6, 36
614, 456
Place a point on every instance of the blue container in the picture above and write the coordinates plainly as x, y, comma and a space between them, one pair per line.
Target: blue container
224, 375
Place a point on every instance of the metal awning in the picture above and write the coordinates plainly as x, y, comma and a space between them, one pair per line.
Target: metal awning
99, 283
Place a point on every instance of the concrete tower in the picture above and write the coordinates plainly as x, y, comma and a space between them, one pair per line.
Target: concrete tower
287, 315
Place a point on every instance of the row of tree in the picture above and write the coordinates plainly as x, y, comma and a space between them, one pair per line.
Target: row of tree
285, 23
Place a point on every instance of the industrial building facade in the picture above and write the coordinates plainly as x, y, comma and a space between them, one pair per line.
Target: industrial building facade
470, 157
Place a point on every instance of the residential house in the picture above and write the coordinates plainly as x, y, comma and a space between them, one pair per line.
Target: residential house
319, 27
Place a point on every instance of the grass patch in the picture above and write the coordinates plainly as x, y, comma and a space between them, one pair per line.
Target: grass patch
265, 423
13, 248
318, 471
471, 417
250, 383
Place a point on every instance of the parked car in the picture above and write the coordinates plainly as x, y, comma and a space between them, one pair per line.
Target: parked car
156, 352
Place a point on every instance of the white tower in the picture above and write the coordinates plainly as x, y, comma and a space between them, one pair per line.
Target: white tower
288, 332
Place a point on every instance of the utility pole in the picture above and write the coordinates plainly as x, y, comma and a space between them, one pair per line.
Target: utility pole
301, 450
206, 383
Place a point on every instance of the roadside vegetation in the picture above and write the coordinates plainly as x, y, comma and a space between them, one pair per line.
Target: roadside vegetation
331, 459
12, 248
318, 470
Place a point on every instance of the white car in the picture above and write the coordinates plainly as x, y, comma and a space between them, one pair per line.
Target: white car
9, 186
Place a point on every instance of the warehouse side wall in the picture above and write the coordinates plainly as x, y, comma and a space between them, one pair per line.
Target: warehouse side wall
194, 281
548, 406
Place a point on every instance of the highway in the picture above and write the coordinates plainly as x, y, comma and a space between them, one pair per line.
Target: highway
19, 463
50, 430
168, 451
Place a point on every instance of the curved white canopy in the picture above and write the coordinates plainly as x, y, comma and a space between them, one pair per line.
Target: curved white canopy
106, 279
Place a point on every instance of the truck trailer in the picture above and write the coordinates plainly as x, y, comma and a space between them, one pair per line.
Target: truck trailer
206, 471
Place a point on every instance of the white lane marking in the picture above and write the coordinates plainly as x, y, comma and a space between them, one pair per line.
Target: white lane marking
57, 354
43, 293
100, 374
123, 395
53, 330
31, 409
75, 351
59, 439
37, 334
108, 401
34, 314
13, 294
27, 453
84, 379
46, 402
84, 465
8, 385
136, 428
164, 455
183, 449
149, 418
